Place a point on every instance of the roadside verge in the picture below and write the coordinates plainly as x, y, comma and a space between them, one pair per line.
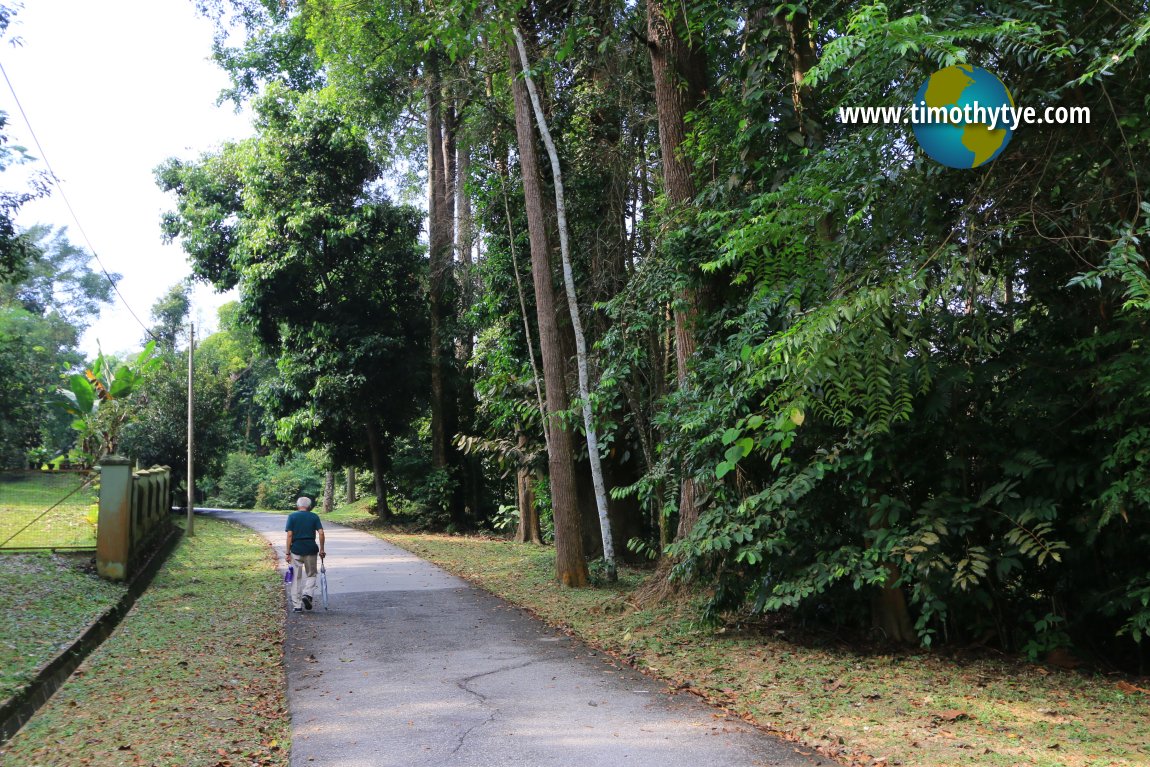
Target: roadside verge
19, 708
192, 677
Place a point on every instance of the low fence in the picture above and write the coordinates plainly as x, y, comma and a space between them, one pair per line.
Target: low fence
135, 516
47, 510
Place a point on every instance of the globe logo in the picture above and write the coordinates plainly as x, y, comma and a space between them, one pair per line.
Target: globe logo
953, 116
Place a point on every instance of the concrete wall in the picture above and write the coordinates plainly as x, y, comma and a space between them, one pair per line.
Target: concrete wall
134, 516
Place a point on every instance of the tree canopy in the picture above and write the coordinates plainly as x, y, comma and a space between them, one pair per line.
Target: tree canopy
833, 379
44, 310
329, 273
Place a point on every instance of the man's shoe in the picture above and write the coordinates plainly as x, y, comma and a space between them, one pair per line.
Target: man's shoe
306, 602
297, 609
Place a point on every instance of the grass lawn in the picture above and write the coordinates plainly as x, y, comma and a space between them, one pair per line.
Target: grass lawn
911, 708
24, 496
48, 601
193, 676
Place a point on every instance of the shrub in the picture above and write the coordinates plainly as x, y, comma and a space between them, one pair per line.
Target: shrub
282, 484
239, 484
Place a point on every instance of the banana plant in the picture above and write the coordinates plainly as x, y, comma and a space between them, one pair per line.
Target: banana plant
97, 399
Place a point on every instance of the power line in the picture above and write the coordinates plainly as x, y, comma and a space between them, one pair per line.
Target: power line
68, 204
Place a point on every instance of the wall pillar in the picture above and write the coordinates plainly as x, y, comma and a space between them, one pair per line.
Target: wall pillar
114, 527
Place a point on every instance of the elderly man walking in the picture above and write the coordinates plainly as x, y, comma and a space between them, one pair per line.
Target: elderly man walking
304, 542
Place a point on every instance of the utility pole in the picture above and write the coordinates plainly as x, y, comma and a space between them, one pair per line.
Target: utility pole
191, 399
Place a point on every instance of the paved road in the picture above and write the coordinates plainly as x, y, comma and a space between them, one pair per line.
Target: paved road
412, 667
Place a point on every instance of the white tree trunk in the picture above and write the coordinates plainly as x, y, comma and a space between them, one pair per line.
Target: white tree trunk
573, 306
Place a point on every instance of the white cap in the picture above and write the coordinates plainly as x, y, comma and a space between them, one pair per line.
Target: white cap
303, 502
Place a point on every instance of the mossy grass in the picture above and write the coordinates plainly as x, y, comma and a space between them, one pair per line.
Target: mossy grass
910, 708
48, 600
192, 677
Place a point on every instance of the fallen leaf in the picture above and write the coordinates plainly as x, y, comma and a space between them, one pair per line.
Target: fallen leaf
951, 715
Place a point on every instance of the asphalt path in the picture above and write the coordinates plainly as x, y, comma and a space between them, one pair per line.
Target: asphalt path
413, 667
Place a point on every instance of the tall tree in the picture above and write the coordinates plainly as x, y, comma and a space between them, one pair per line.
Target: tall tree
440, 236
573, 309
570, 564
170, 313
679, 66
370, 53
328, 272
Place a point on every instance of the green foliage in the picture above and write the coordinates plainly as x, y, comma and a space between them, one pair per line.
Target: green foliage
905, 383
99, 400
541, 491
43, 311
239, 482
429, 499
157, 432
505, 519
329, 271
281, 484
642, 548
905, 377
15, 248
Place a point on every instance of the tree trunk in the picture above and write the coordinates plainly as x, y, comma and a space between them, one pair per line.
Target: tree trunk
802, 55
570, 565
449, 124
576, 321
439, 245
465, 347
378, 469
523, 313
350, 487
329, 492
444, 414
464, 237
528, 530
889, 612
680, 73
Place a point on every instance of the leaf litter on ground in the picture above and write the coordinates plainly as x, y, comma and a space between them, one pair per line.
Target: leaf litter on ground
192, 677
49, 600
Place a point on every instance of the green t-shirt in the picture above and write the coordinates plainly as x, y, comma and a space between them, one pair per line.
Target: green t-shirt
303, 525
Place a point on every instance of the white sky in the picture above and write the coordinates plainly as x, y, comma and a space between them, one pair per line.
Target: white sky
111, 90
